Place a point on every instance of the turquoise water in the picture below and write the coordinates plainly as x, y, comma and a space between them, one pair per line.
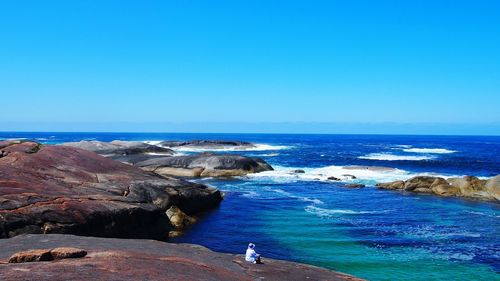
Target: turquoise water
370, 233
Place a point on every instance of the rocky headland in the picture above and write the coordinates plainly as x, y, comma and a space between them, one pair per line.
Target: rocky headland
62, 189
164, 161
467, 187
68, 257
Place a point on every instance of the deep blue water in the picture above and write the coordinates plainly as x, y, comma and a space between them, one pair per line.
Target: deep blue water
370, 233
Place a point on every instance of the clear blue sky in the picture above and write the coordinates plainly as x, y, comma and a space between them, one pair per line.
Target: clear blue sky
275, 66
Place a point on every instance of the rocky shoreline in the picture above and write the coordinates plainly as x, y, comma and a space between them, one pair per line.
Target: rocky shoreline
121, 189
138, 259
49, 192
469, 187
62, 189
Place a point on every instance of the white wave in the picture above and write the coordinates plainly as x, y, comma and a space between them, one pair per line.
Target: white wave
267, 155
483, 214
252, 147
255, 147
368, 175
429, 150
301, 198
392, 157
403, 146
152, 142
160, 154
323, 212
251, 194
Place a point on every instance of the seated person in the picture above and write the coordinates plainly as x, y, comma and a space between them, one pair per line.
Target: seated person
251, 255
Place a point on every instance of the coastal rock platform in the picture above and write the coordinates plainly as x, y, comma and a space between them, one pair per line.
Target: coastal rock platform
125, 259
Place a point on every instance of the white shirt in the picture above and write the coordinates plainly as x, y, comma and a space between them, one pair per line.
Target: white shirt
251, 255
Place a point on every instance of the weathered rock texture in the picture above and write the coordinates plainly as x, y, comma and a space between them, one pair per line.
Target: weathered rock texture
47, 255
468, 187
62, 189
124, 260
205, 165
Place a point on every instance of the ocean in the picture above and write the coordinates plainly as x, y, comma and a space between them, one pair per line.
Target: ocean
370, 233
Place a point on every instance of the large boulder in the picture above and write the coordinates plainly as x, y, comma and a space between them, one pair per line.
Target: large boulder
442, 187
419, 183
391, 185
205, 165
492, 186
470, 186
127, 260
62, 189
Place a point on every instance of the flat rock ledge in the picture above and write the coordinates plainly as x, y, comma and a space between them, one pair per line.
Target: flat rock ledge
126, 260
468, 187
62, 189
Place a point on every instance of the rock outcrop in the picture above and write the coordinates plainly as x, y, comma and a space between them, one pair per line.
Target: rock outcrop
468, 186
205, 165
161, 160
129, 152
127, 260
47, 255
62, 189
208, 144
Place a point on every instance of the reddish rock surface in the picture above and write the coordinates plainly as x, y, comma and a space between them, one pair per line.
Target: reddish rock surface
122, 259
31, 256
59, 189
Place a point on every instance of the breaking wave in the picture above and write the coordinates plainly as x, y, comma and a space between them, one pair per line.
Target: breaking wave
393, 157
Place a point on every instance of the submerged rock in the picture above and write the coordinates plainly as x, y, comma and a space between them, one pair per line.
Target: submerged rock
127, 260
62, 189
468, 186
354, 185
205, 165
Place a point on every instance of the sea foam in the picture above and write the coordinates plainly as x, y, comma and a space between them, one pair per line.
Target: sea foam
393, 157
324, 212
301, 198
429, 150
255, 147
369, 175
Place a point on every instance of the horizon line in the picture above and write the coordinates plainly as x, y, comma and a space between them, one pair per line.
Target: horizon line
251, 133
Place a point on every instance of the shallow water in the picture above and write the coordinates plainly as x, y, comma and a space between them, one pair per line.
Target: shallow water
371, 233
